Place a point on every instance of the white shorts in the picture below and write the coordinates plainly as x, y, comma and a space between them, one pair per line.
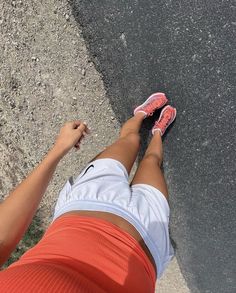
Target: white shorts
103, 186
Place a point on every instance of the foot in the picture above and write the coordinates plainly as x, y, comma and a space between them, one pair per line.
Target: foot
154, 102
167, 116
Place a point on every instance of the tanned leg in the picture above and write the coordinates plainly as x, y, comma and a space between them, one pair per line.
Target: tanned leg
149, 170
126, 148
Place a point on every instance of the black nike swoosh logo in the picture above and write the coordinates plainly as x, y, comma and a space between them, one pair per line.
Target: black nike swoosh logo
88, 169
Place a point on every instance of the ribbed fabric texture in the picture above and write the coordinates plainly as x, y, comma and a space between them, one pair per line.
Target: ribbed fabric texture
45, 278
84, 255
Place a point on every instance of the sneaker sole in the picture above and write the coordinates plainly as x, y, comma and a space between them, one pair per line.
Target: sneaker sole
143, 104
172, 119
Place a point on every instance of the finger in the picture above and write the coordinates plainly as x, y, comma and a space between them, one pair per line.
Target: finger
80, 139
82, 127
76, 123
78, 142
87, 129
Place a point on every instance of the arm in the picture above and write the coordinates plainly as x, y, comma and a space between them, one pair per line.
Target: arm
18, 209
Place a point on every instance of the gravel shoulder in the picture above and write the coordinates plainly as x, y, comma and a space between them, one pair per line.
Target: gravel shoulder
46, 79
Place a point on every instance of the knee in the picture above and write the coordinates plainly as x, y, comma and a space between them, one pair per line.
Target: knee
153, 158
132, 137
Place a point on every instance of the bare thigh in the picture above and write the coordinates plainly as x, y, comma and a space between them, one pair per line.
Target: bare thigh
149, 172
123, 150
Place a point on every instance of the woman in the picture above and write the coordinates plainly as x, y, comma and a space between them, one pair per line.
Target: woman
107, 235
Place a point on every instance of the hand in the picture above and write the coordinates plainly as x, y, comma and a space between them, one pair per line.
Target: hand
71, 134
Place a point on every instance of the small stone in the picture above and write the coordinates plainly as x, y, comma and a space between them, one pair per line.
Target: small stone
83, 72
112, 117
67, 17
74, 98
33, 58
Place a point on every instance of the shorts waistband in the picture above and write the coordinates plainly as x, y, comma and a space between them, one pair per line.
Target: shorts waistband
90, 205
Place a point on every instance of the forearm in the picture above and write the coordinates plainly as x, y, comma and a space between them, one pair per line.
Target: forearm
18, 209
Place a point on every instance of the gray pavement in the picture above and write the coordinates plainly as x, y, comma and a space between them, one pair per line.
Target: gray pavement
186, 49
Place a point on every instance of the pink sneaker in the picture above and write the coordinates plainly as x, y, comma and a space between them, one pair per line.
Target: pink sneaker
167, 116
154, 102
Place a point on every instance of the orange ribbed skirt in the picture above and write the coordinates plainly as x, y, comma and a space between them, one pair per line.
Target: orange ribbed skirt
82, 254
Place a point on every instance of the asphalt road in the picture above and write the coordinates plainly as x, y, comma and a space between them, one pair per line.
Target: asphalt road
184, 48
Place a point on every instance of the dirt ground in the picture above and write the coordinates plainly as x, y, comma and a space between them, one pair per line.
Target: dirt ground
47, 78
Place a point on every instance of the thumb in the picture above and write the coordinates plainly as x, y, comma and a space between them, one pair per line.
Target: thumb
82, 128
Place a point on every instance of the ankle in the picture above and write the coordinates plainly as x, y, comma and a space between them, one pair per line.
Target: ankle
157, 133
140, 115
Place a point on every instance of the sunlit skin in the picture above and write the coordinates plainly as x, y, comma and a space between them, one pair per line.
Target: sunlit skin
18, 209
